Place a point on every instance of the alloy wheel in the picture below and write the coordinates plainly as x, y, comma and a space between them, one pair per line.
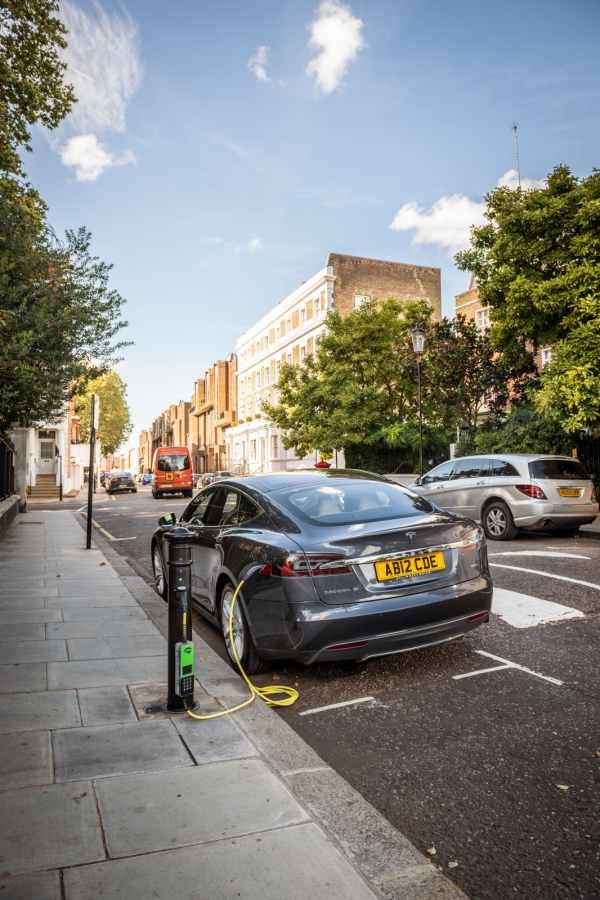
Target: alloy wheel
496, 521
159, 573
239, 630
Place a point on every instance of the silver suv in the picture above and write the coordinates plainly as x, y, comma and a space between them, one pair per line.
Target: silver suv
512, 491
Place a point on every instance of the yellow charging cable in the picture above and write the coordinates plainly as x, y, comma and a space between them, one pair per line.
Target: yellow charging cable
289, 695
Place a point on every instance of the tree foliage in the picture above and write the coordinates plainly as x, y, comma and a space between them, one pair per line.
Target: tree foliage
58, 315
522, 430
537, 264
32, 89
115, 420
360, 389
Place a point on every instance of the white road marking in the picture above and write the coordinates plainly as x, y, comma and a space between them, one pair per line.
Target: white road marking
523, 611
318, 709
480, 672
589, 584
514, 665
552, 554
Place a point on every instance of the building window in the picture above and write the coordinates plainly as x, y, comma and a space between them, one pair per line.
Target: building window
274, 446
289, 359
277, 367
302, 315
288, 325
482, 318
302, 354
546, 354
360, 300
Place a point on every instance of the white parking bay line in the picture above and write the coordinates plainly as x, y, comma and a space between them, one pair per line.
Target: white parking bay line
589, 584
523, 611
318, 709
506, 664
551, 554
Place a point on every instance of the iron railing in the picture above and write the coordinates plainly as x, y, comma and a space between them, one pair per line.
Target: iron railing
7, 469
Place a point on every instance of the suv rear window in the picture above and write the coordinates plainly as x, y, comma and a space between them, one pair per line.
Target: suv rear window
173, 462
556, 469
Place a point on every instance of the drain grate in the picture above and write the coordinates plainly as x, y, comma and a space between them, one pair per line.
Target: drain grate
31, 523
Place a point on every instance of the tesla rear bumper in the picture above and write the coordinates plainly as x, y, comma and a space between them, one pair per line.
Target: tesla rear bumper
377, 627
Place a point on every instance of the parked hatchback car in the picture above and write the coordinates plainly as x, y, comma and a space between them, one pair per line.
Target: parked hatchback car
337, 564
512, 491
120, 481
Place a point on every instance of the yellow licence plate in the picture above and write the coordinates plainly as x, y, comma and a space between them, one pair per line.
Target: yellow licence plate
424, 564
568, 492
168, 476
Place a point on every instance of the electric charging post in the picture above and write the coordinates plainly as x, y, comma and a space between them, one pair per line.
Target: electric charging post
180, 646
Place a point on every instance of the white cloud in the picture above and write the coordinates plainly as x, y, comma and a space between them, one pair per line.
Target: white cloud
449, 220
258, 63
103, 65
90, 158
254, 245
337, 37
510, 180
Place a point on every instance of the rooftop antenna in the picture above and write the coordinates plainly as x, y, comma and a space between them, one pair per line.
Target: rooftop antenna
517, 159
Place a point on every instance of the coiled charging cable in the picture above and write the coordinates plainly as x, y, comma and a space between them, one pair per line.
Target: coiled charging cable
286, 695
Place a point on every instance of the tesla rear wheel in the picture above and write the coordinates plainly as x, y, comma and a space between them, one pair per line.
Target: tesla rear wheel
244, 645
158, 569
498, 522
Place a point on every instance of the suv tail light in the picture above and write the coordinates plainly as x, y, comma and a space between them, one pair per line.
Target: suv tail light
531, 490
300, 565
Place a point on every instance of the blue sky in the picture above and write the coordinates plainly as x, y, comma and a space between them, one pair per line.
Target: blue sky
221, 150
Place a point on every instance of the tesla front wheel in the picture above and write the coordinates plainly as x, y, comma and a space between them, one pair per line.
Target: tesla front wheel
158, 569
498, 522
251, 662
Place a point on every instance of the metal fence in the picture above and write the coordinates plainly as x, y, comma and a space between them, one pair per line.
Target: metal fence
7, 469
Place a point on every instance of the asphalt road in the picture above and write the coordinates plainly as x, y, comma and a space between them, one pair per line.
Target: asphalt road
496, 775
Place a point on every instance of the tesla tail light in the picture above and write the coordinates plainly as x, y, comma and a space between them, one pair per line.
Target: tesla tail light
298, 566
531, 490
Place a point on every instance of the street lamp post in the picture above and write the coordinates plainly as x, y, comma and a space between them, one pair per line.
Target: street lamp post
417, 336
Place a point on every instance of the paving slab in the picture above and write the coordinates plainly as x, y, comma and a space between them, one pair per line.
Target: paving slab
40, 886
22, 631
33, 651
23, 601
214, 739
49, 827
79, 613
14, 616
292, 863
100, 628
103, 672
116, 646
18, 678
38, 711
25, 759
91, 601
142, 813
117, 750
105, 706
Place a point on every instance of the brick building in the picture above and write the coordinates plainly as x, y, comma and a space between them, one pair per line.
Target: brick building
290, 332
213, 411
145, 451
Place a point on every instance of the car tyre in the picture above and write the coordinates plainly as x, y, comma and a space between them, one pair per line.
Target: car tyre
498, 522
155, 494
158, 571
248, 656
188, 493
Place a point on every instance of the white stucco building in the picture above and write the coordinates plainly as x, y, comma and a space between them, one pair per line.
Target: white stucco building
288, 333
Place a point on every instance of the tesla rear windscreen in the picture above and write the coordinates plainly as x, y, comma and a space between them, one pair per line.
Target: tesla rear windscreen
346, 503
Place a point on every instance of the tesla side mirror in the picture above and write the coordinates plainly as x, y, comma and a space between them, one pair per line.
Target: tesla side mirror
167, 520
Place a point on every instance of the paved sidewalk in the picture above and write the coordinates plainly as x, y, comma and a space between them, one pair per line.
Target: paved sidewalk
99, 799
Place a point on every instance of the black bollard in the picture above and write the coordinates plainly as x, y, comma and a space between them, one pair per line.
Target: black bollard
179, 577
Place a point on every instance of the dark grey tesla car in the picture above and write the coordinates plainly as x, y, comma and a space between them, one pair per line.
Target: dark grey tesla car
339, 564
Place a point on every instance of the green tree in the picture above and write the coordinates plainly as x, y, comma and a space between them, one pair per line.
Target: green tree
32, 88
360, 390
522, 430
537, 264
58, 315
115, 420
